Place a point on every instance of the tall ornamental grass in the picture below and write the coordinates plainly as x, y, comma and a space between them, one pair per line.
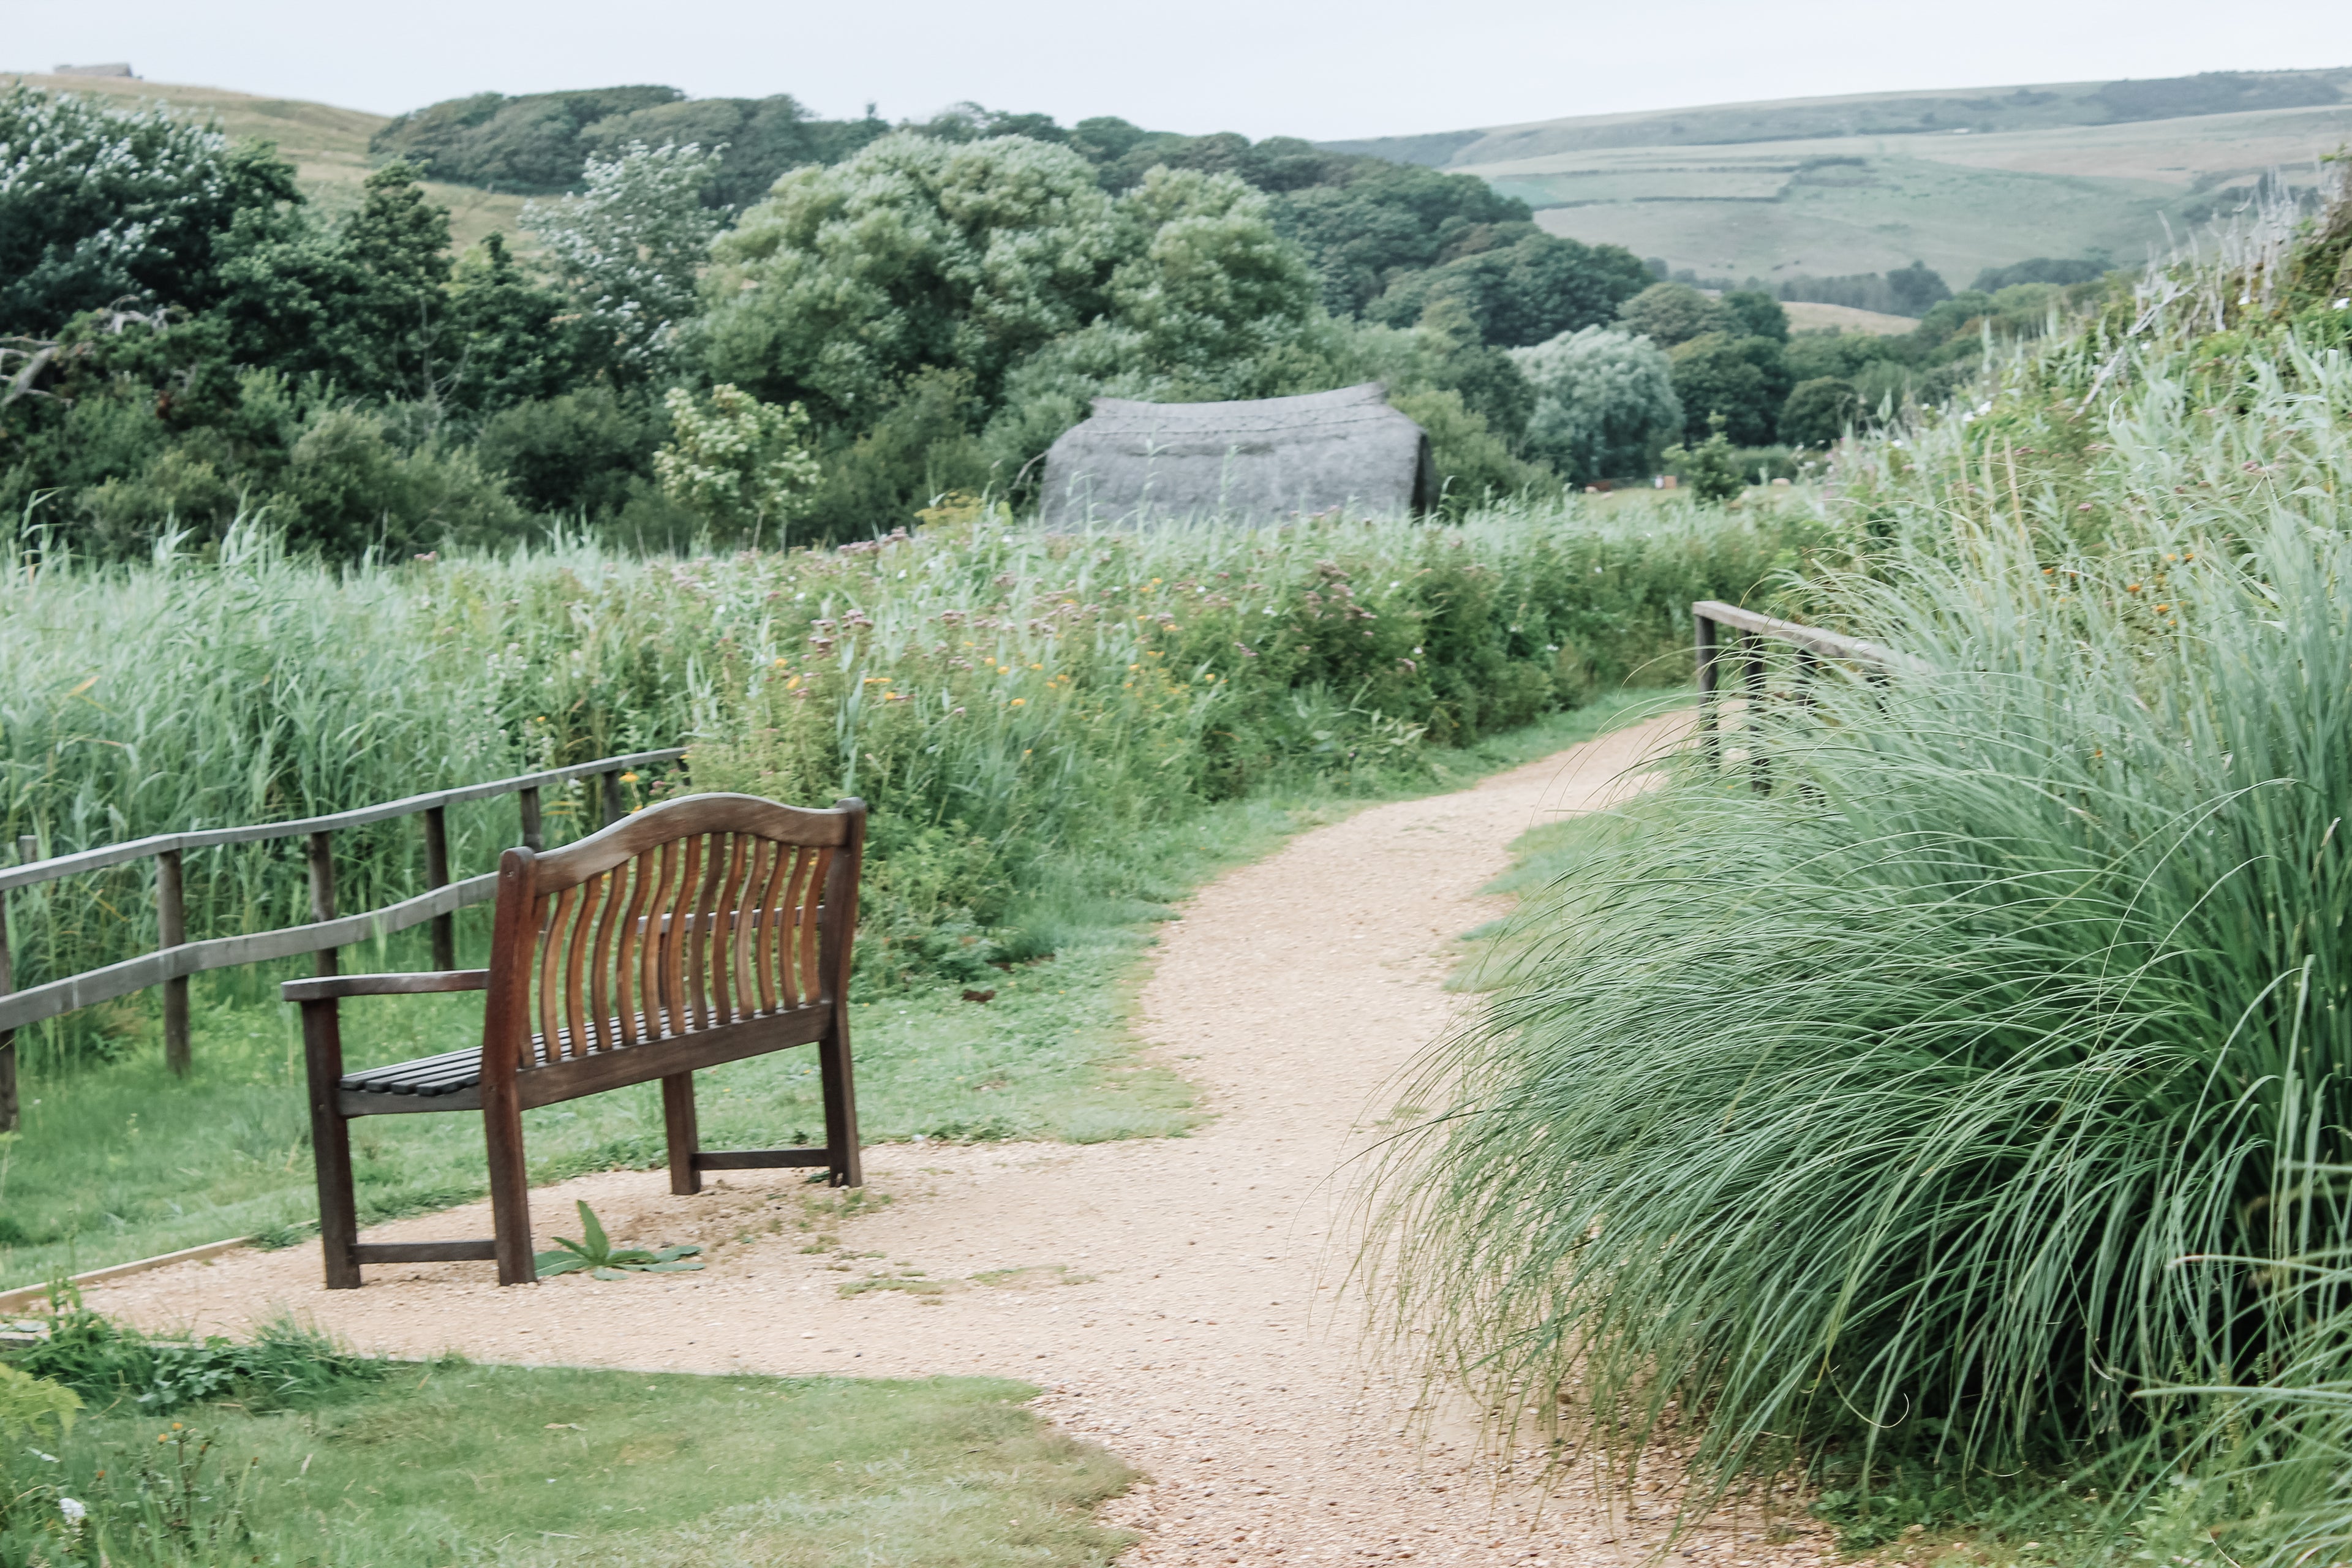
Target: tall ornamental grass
1004, 696
1982, 1091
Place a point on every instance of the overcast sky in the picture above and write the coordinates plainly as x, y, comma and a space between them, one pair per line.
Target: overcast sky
1263, 67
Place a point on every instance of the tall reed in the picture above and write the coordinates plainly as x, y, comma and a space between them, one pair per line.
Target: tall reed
992, 688
1960, 1096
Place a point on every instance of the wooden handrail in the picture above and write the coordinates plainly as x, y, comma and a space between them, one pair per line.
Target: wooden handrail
1829, 644
176, 958
1746, 656
116, 853
94, 986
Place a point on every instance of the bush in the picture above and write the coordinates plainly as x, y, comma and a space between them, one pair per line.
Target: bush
1712, 469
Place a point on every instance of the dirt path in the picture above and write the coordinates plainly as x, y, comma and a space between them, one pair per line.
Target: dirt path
1176, 1298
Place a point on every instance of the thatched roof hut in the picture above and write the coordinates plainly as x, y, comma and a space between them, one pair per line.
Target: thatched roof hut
1254, 462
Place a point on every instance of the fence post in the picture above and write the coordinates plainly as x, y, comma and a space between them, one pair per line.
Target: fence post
170, 931
1707, 738
322, 895
528, 800
437, 875
1752, 722
7, 1037
614, 810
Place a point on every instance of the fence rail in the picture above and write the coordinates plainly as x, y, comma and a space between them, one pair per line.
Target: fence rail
1744, 649
176, 958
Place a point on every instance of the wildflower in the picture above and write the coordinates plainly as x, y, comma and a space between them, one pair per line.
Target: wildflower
629, 778
2131, 587
73, 1510
1019, 703
2161, 608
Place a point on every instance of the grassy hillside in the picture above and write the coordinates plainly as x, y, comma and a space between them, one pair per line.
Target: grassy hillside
1936, 111
328, 146
1960, 180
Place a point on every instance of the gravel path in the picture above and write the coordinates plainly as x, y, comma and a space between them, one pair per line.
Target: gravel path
1178, 1297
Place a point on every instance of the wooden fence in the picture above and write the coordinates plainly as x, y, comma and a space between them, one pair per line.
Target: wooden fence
1727, 634
176, 958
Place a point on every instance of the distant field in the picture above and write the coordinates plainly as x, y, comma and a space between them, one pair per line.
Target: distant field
1961, 180
1807, 318
327, 146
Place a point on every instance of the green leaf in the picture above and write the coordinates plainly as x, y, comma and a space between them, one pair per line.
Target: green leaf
630, 1256
667, 1268
608, 1274
597, 1245
551, 1264
669, 1253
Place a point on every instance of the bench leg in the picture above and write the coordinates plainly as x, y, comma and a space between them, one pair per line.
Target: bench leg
331, 1144
846, 1168
510, 1185
678, 1123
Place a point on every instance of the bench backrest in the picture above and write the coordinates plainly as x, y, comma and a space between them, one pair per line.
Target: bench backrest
699, 914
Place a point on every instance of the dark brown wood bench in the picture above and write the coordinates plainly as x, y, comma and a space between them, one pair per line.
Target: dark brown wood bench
698, 931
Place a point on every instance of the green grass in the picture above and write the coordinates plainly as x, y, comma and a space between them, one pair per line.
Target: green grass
122, 1161
458, 1462
1976, 1102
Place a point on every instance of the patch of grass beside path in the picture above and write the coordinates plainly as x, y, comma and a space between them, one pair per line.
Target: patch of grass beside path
122, 1161
457, 1462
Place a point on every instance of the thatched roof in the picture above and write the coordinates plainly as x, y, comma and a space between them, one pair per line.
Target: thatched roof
1252, 461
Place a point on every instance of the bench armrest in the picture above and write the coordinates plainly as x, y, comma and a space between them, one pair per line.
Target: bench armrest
330, 987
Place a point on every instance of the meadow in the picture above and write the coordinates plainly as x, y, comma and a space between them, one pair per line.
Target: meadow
1058, 735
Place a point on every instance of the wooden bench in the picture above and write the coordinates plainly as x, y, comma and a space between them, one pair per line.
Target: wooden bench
701, 931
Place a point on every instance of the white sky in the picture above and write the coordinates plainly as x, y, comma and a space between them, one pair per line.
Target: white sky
1265, 67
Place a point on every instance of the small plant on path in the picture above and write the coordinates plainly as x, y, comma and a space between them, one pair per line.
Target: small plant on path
595, 1253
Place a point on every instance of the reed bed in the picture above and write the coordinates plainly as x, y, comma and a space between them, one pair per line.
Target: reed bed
1006, 699
1978, 1097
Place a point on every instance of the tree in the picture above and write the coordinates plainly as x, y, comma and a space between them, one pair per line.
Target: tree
1669, 314
513, 339
1532, 289
1385, 220
739, 463
1742, 380
360, 307
1605, 403
97, 204
1719, 385
912, 253
1758, 314
1206, 280
630, 249
1917, 289
1819, 411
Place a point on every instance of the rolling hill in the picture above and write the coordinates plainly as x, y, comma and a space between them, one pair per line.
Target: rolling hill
327, 146
1962, 179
